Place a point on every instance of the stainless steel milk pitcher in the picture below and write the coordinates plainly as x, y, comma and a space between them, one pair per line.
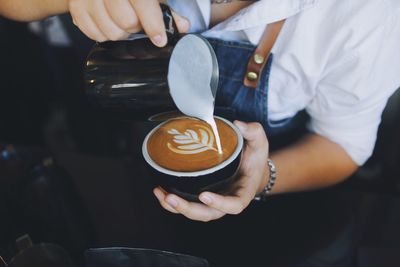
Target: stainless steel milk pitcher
130, 76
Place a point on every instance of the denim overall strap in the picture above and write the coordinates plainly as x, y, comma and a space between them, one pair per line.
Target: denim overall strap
234, 100
233, 97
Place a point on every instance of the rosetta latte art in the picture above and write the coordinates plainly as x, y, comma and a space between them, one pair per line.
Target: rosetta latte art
188, 144
192, 142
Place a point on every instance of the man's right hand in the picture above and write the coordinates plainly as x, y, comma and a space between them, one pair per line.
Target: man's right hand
103, 20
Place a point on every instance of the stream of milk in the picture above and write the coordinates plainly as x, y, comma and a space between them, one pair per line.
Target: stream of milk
213, 125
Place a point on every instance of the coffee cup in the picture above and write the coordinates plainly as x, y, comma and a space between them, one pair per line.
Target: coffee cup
182, 156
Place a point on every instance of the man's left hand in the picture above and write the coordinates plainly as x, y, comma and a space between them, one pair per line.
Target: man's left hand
253, 172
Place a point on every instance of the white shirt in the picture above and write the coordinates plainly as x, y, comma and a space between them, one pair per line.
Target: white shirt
337, 59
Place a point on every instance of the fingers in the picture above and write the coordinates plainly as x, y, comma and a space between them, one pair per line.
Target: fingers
227, 204
106, 24
160, 195
182, 23
103, 20
253, 133
194, 211
84, 22
94, 21
123, 15
191, 210
150, 16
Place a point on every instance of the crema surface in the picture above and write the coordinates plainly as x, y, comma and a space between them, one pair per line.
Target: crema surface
188, 144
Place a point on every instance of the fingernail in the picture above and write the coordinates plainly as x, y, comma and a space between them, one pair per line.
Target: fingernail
241, 125
206, 199
157, 193
172, 202
159, 40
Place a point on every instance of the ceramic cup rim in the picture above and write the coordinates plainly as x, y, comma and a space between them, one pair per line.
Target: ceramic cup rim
218, 167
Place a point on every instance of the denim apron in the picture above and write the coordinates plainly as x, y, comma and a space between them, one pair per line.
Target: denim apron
234, 100
309, 210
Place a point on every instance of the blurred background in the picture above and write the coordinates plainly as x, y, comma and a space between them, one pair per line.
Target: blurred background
73, 175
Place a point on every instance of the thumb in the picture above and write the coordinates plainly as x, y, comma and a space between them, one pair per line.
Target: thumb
253, 133
182, 23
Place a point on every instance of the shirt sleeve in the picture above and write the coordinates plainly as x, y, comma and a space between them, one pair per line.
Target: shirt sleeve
196, 11
355, 88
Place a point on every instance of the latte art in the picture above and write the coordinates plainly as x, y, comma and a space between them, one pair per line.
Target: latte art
190, 142
187, 144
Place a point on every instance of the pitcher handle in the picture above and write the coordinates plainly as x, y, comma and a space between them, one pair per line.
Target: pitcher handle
170, 25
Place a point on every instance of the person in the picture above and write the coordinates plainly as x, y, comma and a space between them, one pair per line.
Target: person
336, 62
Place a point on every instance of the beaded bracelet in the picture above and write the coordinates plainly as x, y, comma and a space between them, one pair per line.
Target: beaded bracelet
271, 181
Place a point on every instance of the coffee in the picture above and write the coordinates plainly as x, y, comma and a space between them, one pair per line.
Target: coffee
183, 158
187, 144
163, 116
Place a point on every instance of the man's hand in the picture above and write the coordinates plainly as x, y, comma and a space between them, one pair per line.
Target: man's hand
253, 173
103, 20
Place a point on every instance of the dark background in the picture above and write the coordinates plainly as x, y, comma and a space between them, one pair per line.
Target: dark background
79, 181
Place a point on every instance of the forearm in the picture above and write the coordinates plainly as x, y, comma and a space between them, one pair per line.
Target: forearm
30, 10
314, 162
221, 12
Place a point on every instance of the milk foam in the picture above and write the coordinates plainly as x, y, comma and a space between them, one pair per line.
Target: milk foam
213, 125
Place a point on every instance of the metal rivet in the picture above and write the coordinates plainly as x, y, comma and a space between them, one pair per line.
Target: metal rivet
258, 59
252, 76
